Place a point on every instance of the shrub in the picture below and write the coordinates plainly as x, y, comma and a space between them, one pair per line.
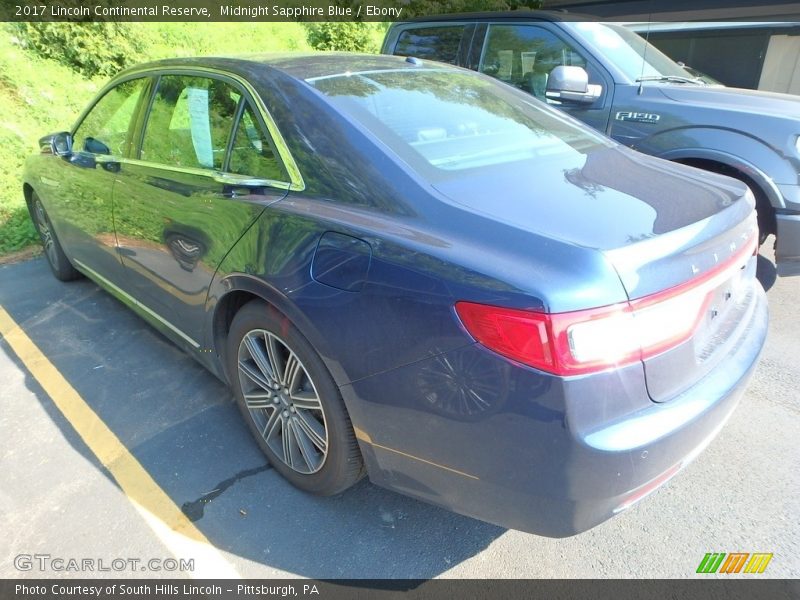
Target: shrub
345, 36
92, 49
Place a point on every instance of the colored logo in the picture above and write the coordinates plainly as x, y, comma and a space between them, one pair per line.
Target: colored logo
735, 562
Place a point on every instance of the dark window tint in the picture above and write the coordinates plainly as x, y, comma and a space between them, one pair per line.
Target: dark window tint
105, 128
735, 59
252, 152
190, 122
524, 55
434, 43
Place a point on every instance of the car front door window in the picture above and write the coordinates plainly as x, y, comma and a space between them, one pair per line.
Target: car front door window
105, 129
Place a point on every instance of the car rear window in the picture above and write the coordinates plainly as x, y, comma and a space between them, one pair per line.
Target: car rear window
454, 120
434, 43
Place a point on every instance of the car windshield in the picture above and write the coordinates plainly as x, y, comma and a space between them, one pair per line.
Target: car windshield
441, 120
626, 50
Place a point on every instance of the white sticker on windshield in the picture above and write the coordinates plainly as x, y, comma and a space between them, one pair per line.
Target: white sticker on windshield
200, 125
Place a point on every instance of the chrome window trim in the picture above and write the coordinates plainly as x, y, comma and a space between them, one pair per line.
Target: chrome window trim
117, 290
296, 182
210, 173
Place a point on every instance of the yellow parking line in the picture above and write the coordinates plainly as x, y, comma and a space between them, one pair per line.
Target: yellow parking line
172, 527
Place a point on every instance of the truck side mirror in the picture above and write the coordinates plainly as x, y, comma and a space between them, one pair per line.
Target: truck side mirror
571, 84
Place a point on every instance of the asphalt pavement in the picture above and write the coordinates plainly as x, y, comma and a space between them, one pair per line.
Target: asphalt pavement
180, 424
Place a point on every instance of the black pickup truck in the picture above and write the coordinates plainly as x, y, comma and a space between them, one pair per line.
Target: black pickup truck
610, 78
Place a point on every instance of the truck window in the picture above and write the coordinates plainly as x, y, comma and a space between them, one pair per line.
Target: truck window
524, 55
627, 50
433, 43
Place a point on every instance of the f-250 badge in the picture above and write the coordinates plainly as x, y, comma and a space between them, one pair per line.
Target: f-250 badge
639, 117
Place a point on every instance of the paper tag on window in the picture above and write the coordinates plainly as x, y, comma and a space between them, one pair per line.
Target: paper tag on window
200, 125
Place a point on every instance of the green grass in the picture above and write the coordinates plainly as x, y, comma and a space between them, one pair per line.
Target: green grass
165, 40
37, 96
40, 96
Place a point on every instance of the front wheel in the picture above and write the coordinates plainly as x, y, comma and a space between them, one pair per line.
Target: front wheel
58, 261
290, 402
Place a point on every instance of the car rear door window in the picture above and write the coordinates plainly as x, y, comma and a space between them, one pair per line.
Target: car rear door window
252, 152
105, 128
524, 55
434, 43
190, 122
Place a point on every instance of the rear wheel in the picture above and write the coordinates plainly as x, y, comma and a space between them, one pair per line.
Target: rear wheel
58, 261
290, 402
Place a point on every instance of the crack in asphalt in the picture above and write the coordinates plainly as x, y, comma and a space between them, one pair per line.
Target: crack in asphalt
195, 509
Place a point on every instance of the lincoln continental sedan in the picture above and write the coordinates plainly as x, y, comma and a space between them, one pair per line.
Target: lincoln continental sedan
417, 273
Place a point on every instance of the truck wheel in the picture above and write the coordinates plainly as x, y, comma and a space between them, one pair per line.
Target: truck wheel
765, 213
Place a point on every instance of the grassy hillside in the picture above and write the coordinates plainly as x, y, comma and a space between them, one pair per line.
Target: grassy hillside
36, 96
39, 96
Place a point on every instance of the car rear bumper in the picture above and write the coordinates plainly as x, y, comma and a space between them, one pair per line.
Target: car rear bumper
546, 455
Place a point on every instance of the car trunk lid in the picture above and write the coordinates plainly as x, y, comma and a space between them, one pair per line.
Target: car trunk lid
670, 232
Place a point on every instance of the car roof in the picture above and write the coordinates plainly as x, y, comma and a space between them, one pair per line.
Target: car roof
300, 66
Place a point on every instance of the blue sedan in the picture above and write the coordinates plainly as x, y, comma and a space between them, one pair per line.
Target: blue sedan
414, 272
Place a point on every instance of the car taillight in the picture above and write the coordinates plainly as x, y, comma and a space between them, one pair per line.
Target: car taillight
525, 336
586, 341
563, 344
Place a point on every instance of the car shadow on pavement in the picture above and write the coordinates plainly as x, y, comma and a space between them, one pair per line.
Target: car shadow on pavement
766, 272
182, 426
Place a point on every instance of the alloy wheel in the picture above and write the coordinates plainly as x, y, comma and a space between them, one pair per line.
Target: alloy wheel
45, 233
282, 401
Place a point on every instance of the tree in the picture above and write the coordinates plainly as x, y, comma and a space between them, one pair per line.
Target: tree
91, 49
345, 36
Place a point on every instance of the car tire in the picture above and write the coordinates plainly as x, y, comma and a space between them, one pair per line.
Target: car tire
59, 263
290, 402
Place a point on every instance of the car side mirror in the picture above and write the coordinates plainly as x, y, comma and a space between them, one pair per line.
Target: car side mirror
571, 84
59, 144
